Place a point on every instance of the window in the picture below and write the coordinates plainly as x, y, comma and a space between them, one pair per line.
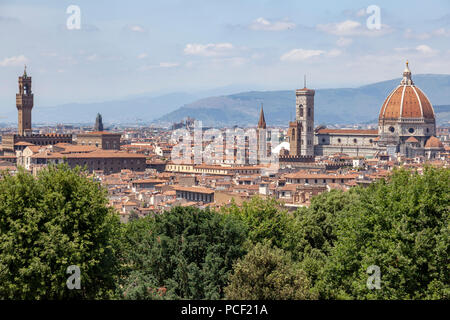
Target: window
391, 129
355, 140
370, 140
309, 112
411, 130
301, 110
339, 140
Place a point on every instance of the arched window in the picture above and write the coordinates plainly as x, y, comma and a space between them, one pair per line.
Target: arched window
301, 110
309, 112
293, 133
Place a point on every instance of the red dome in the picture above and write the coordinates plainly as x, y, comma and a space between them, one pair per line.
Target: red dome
407, 101
434, 142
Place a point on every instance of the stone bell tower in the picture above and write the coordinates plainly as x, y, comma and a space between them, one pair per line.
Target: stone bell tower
24, 103
305, 116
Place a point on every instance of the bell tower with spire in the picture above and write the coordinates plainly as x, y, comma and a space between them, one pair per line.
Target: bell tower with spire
261, 136
24, 104
305, 118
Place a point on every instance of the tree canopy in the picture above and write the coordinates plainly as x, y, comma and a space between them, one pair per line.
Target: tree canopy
185, 252
267, 273
48, 223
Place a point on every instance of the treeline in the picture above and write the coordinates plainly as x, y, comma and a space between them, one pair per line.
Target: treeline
256, 251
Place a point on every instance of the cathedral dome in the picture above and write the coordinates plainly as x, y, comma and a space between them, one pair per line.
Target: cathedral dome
434, 142
407, 101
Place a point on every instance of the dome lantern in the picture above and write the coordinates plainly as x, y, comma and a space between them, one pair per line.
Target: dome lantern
407, 76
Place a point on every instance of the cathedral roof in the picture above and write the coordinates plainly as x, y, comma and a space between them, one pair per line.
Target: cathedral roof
412, 139
407, 101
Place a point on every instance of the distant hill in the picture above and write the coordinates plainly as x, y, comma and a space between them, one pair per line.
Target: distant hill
131, 110
332, 106
221, 107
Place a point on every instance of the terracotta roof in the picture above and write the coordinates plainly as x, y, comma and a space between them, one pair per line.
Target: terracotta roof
406, 101
90, 155
304, 175
348, 131
434, 142
98, 133
194, 189
23, 143
412, 139
155, 181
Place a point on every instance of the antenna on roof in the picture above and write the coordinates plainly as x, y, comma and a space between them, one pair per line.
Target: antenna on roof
304, 82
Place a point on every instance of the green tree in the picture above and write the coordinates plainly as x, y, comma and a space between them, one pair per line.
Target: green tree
265, 220
47, 223
267, 273
186, 252
314, 233
402, 226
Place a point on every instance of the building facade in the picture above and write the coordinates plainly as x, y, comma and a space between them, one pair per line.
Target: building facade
101, 139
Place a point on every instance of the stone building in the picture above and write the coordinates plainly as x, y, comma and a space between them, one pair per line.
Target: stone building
101, 139
107, 161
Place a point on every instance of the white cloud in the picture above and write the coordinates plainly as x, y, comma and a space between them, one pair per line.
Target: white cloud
343, 42
334, 53
208, 50
410, 34
421, 49
14, 61
300, 54
168, 64
424, 49
142, 56
442, 32
135, 28
160, 65
266, 25
351, 28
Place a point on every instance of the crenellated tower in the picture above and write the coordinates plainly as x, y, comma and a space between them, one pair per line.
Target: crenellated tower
24, 103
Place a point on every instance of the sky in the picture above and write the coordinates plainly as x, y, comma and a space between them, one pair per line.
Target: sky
125, 48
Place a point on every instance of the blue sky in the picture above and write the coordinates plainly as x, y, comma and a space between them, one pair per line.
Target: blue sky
131, 47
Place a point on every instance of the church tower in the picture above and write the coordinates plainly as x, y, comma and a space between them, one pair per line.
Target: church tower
98, 123
261, 136
24, 103
305, 117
